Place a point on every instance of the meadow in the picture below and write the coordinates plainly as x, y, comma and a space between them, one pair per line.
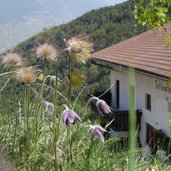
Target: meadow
42, 132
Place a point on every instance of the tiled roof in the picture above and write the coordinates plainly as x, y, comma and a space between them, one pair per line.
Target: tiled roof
146, 52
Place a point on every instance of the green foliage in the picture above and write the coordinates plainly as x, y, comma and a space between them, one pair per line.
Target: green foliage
164, 142
153, 13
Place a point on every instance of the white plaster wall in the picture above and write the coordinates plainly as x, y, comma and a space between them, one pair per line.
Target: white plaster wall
159, 114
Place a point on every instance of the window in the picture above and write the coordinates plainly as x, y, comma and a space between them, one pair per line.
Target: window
148, 102
117, 94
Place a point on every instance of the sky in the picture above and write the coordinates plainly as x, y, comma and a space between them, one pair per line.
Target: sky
20, 19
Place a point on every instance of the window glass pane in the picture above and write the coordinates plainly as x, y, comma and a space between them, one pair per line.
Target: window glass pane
148, 101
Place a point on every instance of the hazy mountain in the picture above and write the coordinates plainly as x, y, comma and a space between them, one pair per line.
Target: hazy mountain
19, 19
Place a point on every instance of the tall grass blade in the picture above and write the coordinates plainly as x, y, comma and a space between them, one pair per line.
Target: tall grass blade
132, 121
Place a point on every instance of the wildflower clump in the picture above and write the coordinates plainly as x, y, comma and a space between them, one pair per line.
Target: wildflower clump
11, 59
26, 75
79, 48
46, 51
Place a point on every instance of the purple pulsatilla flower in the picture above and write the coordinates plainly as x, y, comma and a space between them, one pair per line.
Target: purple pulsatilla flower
97, 130
69, 116
101, 105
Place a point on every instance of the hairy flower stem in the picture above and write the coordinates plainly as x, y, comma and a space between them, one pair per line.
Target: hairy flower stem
132, 120
26, 114
14, 116
69, 76
15, 113
54, 116
56, 87
69, 144
69, 104
56, 126
13, 87
15, 131
39, 98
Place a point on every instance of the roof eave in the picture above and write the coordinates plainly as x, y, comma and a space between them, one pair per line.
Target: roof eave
111, 65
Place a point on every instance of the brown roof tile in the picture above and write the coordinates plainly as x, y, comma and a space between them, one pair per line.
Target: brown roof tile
147, 52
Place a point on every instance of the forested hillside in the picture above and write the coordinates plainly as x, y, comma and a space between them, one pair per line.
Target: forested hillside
105, 26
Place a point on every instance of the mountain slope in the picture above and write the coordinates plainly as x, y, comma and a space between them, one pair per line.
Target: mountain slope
105, 26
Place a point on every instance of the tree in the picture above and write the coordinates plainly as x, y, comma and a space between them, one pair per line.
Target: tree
154, 14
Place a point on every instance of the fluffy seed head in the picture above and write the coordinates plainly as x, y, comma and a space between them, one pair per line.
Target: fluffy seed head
80, 48
75, 47
26, 75
11, 59
46, 51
